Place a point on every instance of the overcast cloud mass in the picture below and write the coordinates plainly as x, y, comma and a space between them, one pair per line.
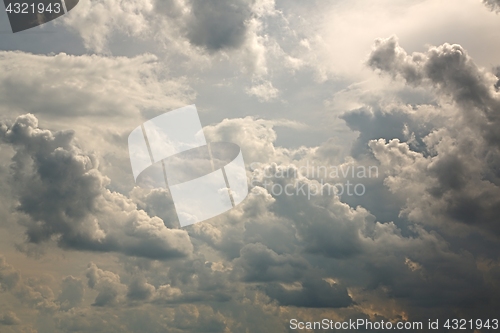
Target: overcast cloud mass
399, 99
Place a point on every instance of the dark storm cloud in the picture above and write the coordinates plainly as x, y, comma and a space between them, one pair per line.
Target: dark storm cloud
218, 24
59, 187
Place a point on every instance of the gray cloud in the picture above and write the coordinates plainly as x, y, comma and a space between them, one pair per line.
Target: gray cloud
260, 264
412, 247
72, 293
313, 293
139, 289
107, 283
9, 277
492, 4
452, 72
61, 189
458, 177
218, 24
33, 292
9, 318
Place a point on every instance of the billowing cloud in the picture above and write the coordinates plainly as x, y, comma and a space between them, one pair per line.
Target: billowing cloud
421, 242
60, 188
107, 283
454, 180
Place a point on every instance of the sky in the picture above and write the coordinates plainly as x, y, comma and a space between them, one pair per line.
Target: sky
369, 131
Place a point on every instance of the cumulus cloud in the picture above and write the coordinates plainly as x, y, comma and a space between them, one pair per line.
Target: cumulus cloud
216, 26
60, 188
454, 180
183, 30
183, 25
356, 252
96, 21
139, 289
388, 255
113, 292
452, 73
108, 284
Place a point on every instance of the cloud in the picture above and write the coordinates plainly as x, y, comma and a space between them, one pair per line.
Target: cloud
9, 277
185, 25
108, 284
314, 293
60, 188
492, 4
139, 289
112, 292
264, 92
454, 181
9, 318
96, 21
190, 33
261, 264
420, 244
68, 86
72, 293
218, 24
33, 292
